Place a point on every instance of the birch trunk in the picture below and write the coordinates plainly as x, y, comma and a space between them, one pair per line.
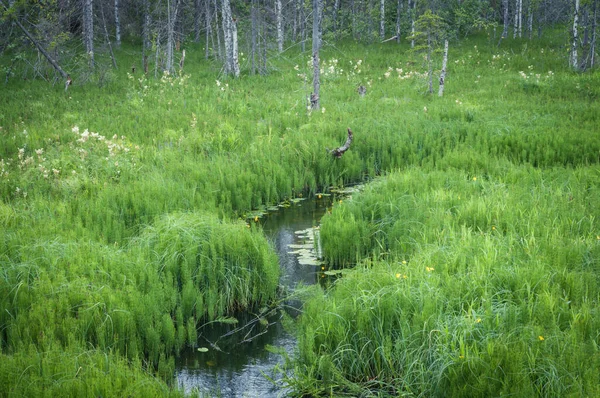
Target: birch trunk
230, 39
412, 22
253, 37
516, 21
117, 25
88, 30
146, 27
429, 63
207, 28
574, 60
594, 26
302, 17
520, 18
279, 13
197, 13
398, 20
107, 38
382, 19
443, 72
172, 9
336, 10
506, 19
530, 20
316, 44
217, 31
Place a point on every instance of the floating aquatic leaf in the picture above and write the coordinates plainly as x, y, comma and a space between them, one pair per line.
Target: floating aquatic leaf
333, 272
202, 349
308, 261
301, 246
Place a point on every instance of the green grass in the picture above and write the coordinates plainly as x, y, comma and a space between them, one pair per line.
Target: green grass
117, 242
465, 286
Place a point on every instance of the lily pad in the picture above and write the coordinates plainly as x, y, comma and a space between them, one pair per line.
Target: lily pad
202, 349
333, 272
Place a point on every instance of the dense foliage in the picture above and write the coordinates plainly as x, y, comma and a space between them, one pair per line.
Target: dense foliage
476, 248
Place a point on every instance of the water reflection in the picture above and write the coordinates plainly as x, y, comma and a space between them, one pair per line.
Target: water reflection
236, 364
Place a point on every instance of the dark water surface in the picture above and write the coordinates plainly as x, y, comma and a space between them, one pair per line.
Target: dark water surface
236, 362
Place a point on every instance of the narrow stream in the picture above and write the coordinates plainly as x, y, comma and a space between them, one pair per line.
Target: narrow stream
235, 365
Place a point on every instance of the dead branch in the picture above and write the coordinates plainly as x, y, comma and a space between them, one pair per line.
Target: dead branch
39, 46
390, 39
338, 152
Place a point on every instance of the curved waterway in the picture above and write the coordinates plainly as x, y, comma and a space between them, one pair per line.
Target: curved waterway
235, 362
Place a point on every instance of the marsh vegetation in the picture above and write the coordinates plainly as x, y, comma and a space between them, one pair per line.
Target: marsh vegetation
469, 263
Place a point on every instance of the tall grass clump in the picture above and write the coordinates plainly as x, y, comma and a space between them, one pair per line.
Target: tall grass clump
465, 285
143, 302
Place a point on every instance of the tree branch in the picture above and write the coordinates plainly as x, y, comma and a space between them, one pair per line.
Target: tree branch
39, 46
338, 152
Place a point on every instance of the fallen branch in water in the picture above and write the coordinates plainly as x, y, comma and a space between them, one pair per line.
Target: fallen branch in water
338, 152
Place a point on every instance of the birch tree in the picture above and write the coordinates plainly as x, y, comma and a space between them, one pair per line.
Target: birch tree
88, 30
413, 12
172, 11
398, 20
443, 72
382, 19
594, 27
316, 44
506, 18
117, 25
574, 60
279, 18
232, 66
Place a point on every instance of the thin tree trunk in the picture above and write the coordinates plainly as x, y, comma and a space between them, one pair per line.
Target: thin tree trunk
253, 37
88, 30
218, 32
208, 29
574, 60
336, 10
530, 20
279, 15
398, 20
516, 20
382, 19
594, 26
157, 56
429, 63
197, 14
412, 22
302, 17
443, 72
112, 54
506, 19
170, 38
117, 25
586, 24
145, 34
316, 44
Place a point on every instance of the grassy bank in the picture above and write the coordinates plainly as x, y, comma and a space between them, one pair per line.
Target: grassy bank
466, 286
121, 204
